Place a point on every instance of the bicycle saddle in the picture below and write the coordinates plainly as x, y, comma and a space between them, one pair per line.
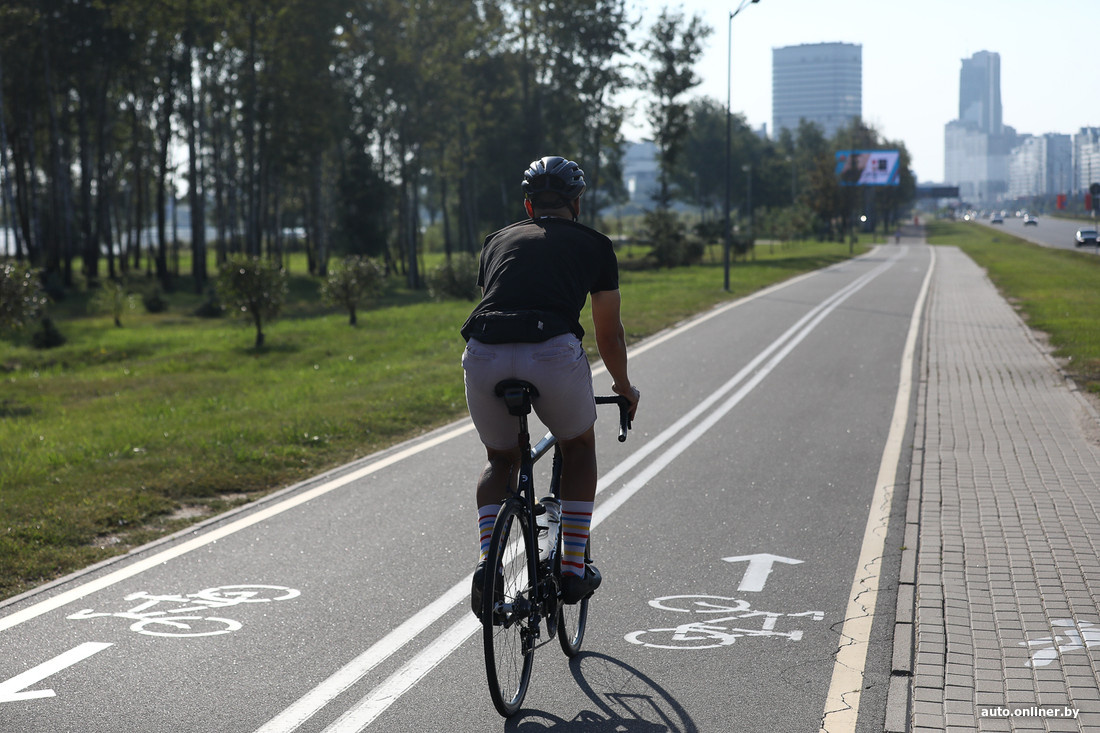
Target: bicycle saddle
517, 395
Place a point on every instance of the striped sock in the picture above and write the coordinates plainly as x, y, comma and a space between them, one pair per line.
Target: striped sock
486, 518
576, 520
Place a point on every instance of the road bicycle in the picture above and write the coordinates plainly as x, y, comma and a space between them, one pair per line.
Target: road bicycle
521, 589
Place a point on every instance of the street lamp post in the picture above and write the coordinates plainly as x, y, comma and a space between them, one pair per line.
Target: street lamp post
727, 242
747, 167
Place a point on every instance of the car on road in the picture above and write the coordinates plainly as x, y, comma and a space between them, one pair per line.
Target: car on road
1084, 238
996, 219
1030, 220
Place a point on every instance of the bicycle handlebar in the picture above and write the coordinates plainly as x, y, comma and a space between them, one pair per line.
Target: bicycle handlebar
624, 412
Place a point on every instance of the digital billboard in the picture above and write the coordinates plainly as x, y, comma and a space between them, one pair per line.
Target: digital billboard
868, 167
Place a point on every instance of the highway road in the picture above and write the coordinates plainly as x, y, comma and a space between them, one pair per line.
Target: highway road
1048, 232
748, 533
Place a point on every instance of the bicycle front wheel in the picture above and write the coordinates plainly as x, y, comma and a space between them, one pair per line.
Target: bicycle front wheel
573, 617
508, 608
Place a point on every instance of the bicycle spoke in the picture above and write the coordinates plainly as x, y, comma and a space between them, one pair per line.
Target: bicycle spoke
509, 633
573, 618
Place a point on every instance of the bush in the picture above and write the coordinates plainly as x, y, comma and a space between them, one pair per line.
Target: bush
47, 337
671, 245
254, 287
114, 299
455, 278
154, 301
22, 297
211, 307
358, 283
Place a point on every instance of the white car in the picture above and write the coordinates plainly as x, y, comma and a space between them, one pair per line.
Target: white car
1084, 238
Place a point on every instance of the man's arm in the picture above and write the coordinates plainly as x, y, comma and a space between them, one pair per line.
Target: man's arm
611, 343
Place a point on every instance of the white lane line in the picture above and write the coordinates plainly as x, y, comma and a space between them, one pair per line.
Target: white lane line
363, 713
370, 707
842, 700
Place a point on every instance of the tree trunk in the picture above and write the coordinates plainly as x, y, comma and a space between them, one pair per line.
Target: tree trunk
165, 130
9, 201
194, 177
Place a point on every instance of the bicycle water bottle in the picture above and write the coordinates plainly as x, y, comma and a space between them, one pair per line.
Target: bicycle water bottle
548, 523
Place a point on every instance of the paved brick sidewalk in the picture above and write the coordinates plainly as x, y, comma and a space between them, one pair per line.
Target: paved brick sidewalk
999, 608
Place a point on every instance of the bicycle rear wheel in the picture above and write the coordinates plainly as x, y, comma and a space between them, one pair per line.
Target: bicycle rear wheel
573, 617
508, 603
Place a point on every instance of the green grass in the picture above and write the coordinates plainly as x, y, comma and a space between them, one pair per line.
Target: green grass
123, 435
1056, 290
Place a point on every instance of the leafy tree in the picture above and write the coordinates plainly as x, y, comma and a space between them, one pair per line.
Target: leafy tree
359, 282
21, 296
674, 46
114, 298
255, 287
671, 245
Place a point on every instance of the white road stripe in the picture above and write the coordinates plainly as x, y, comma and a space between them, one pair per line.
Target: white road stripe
842, 700
363, 713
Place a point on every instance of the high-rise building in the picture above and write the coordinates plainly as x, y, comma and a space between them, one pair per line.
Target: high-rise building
978, 144
980, 92
817, 82
1086, 159
1041, 165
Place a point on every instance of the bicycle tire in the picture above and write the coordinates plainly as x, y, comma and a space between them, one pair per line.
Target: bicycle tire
508, 605
573, 617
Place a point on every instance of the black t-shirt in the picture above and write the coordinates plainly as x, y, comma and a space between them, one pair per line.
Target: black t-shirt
546, 266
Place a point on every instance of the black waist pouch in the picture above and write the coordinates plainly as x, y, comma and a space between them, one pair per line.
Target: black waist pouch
512, 327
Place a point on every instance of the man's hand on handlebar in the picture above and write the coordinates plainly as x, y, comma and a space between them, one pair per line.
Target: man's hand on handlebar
631, 393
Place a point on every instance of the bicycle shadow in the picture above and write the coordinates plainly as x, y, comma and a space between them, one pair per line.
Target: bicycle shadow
625, 698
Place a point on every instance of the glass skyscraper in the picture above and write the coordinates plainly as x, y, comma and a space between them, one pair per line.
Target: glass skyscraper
817, 82
980, 92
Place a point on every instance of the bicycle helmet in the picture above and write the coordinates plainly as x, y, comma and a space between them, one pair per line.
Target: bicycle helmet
554, 174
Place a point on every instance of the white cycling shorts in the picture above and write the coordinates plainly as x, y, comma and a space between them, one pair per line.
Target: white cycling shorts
557, 367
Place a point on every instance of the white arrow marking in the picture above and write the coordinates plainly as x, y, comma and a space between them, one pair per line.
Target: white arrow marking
13, 689
760, 567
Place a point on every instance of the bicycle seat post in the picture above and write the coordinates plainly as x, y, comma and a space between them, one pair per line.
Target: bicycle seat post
517, 395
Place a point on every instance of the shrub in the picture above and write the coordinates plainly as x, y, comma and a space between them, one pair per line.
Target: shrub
359, 282
455, 278
671, 245
22, 297
113, 298
254, 287
211, 307
154, 301
47, 337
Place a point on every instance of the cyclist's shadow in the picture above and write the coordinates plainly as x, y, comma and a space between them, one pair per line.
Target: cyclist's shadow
626, 699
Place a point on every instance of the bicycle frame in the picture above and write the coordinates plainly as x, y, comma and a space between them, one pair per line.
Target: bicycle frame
514, 607
517, 395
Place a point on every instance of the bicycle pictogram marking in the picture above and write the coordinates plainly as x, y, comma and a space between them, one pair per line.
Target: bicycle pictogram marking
154, 616
1070, 636
715, 630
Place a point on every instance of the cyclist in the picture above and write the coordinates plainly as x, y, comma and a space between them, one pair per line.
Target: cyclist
535, 276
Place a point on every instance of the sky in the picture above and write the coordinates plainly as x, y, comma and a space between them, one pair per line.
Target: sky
912, 55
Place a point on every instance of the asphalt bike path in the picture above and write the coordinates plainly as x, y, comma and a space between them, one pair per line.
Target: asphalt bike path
729, 528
